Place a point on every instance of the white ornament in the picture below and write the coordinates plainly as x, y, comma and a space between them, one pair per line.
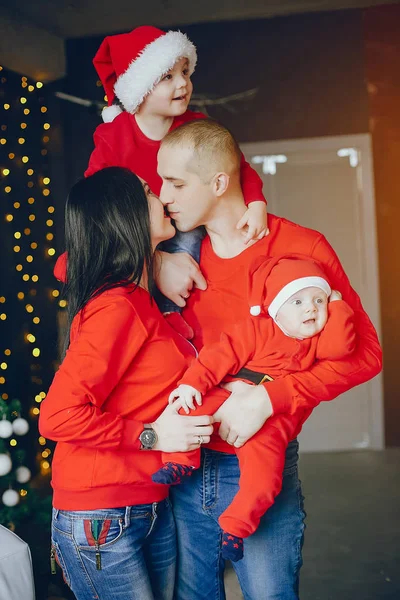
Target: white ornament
5, 429
20, 426
10, 498
5, 464
22, 474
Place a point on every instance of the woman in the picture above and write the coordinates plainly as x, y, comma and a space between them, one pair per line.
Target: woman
112, 530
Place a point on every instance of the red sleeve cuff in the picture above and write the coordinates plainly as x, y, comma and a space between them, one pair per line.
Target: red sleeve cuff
130, 435
280, 394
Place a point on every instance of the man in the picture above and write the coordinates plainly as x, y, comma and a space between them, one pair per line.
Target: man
199, 164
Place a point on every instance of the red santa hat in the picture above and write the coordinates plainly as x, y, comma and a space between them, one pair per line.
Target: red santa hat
273, 281
129, 65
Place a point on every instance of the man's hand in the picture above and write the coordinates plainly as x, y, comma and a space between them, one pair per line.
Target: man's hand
176, 274
177, 433
243, 413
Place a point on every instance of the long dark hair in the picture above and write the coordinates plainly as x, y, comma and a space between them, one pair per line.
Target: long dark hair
107, 237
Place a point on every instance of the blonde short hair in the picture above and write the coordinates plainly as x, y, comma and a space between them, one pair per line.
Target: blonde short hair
214, 147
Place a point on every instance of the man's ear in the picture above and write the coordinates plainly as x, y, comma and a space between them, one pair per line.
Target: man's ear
220, 183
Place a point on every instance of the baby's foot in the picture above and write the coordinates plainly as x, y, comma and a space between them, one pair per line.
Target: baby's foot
232, 547
172, 473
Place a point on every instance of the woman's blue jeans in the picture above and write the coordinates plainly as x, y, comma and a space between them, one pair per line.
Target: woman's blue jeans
118, 553
272, 555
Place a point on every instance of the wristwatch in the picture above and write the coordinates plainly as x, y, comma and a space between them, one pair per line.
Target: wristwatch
148, 438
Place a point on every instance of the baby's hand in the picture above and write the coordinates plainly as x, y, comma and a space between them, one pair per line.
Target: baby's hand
335, 295
254, 222
184, 397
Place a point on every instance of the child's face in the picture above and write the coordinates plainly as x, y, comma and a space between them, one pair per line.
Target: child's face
171, 96
304, 314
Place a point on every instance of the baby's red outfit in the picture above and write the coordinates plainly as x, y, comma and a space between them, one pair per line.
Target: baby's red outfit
259, 345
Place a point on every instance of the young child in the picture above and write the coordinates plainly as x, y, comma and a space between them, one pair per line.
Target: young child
301, 321
146, 76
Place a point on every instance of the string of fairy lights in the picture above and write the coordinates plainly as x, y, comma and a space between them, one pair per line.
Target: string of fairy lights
29, 246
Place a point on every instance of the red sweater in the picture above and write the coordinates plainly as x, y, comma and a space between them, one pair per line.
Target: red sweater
123, 361
260, 345
122, 143
225, 302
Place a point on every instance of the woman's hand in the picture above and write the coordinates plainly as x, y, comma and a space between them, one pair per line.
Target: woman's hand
177, 433
243, 413
176, 274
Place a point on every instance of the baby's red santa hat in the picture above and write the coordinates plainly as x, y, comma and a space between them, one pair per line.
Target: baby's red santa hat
129, 65
272, 281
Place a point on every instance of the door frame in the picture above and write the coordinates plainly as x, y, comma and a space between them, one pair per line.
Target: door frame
368, 234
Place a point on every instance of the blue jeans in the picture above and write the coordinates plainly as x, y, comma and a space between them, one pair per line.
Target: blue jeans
133, 558
272, 555
183, 241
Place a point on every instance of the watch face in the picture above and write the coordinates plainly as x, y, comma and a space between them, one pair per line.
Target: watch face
148, 438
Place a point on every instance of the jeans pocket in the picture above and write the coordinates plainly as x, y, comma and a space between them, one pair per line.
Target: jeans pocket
97, 531
56, 555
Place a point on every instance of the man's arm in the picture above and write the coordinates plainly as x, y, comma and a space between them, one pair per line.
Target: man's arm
327, 379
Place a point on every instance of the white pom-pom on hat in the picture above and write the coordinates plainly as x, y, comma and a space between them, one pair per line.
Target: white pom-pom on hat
255, 310
110, 112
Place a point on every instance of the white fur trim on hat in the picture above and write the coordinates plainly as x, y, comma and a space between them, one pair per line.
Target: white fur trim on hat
155, 60
295, 286
109, 113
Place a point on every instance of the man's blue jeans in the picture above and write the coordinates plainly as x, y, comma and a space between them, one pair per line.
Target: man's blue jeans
272, 555
134, 559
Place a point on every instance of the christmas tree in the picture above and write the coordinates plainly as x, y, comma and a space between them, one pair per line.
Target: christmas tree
29, 299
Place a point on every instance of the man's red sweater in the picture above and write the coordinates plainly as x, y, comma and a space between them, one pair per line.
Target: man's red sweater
225, 302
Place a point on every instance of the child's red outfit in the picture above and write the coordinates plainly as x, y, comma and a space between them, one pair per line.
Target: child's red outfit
225, 302
122, 360
258, 345
121, 143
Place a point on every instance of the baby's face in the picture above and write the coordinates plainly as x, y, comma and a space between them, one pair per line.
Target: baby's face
304, 314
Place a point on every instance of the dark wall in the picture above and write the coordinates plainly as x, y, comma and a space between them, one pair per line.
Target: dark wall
308, 68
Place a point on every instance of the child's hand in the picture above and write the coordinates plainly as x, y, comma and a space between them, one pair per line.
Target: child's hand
335, 295
184, 397
254, 222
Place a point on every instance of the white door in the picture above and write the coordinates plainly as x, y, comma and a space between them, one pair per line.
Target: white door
326, 184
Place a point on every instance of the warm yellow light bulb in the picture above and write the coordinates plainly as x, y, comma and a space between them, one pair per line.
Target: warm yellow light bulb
36, 352
51, 252
6, 172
